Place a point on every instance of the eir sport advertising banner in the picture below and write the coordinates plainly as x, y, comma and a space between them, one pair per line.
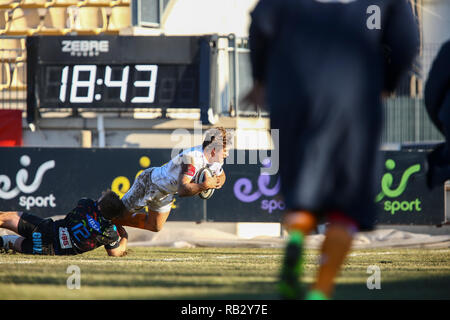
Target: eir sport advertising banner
49, 182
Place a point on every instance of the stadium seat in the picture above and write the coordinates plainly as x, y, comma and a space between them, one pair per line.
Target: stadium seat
3, 20
5, 76
12, 49
90, 20
120, 18
19, 77
23, 22
57, 21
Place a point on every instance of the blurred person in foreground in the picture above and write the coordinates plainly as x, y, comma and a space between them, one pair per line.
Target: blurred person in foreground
437, 102
156, 187
87, 227
322, 68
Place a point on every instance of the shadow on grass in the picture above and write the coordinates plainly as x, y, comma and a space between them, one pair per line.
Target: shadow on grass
436, 288
149, 282
423, 288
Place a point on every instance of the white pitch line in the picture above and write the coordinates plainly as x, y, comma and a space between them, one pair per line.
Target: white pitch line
18, 262
355, 254
243, 256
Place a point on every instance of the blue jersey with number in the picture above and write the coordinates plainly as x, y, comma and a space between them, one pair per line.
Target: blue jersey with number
86, 229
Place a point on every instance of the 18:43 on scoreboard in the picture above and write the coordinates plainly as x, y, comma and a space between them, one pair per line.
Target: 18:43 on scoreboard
106, 83
117, 72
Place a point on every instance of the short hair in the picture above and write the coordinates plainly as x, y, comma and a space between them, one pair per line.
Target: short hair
217, 137
111, 206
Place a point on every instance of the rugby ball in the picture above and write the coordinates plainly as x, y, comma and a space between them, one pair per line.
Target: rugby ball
200, 177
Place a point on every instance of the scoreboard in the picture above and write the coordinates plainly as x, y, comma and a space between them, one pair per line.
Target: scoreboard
118, 72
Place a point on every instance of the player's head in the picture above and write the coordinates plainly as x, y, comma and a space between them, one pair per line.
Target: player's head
217, 143
110, 205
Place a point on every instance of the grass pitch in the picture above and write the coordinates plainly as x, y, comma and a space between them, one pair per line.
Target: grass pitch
218, 273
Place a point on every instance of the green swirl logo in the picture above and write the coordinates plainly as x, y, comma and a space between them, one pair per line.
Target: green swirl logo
388, 179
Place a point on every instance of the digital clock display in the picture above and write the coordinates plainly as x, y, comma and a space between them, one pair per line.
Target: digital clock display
137, 85
118, 72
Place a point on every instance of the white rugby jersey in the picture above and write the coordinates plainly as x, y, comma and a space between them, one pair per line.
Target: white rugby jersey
166, 176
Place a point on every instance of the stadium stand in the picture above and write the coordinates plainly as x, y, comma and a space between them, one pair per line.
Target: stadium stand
60, 17
22, 18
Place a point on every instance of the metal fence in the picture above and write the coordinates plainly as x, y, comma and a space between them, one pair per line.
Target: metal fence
405, 116
406, 121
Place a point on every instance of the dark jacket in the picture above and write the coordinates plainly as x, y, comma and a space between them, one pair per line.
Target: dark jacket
437, 89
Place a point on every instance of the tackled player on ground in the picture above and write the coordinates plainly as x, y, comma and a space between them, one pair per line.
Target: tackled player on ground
156, 187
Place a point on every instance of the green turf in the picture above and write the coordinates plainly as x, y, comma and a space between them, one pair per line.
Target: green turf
218, 273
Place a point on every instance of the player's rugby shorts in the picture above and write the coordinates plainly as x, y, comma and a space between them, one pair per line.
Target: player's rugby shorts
144, 192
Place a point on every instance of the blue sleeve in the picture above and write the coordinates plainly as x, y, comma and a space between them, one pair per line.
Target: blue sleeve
113, 237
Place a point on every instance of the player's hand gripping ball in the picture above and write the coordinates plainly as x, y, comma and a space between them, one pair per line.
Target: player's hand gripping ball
200, 177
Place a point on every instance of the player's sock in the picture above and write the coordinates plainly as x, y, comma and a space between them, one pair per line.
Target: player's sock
7, 242
316, 295
337, 243
289, 285
298, 224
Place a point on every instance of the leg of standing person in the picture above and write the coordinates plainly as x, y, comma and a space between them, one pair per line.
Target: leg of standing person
299, 224
335, 247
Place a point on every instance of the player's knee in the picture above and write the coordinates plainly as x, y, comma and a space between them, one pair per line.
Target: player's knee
303, 221
157, 227
7, 215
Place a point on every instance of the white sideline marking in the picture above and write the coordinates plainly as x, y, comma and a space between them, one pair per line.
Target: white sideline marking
243, 256
355, 254
173, 259
18, 262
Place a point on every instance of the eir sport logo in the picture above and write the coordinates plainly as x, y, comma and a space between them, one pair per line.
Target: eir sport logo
387, 181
